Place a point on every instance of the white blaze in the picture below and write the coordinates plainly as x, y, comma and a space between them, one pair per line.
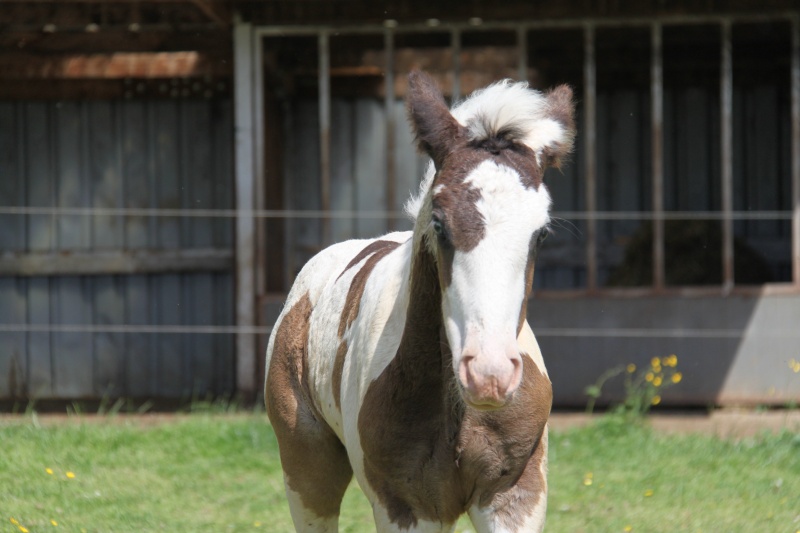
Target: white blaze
481, 305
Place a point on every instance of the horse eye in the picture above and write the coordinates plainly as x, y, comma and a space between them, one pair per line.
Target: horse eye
543, 235
438, 227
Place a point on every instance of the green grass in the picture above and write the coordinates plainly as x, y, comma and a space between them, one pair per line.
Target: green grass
221, 473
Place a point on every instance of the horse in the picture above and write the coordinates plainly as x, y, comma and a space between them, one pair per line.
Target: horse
407, 360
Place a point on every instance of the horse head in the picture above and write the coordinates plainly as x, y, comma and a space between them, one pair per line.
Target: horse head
482, 214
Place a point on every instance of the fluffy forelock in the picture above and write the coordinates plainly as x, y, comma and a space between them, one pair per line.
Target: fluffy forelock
510, 108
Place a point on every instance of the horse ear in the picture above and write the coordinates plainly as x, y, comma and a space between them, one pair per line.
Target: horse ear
561, 109
435, 128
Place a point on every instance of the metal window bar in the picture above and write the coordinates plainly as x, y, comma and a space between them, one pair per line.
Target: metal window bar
657, 132
796, 149
389, 98
726, 153
590, 156
324, 85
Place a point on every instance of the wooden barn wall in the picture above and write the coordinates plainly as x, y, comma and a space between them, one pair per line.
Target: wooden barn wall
358, 172
691, 173
115, 154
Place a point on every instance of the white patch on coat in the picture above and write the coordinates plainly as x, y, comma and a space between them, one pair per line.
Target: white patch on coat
307, 521
485, 295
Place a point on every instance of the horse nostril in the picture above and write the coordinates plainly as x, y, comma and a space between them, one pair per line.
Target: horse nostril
489, 380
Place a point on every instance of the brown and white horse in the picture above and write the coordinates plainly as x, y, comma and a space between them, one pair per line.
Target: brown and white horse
407, 360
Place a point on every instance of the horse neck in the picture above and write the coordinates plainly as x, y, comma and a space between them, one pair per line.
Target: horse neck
423, 353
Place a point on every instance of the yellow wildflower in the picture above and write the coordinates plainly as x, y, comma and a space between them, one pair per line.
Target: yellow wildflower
256, 524
14, 521
70, 475
657, 381
49, 471
655, 361
23, 529
53, 522
648, 493
587, 479
656, 400
631, 368
649, 377
627, 529
677, 377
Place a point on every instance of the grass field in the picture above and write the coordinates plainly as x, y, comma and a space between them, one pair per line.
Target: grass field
204, 473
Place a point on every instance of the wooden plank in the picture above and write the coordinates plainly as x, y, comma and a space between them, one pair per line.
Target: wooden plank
217, 43
40, 362
12, 227
136, 160
197, 170
39, 174
224, 345
109, 348
409, 164
73, 357
199, 302
223, 182
106, 178
13, 346
342, 171
140, 366
114, 262
163, 120
370, 165
169, 348
72, 181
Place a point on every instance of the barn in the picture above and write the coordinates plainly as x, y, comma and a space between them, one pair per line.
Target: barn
168, 166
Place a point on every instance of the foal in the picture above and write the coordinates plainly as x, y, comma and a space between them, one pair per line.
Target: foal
407, 360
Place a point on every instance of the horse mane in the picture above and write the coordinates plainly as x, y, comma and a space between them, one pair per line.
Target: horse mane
512, 112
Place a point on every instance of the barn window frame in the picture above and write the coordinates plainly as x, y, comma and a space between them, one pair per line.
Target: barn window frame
591, 215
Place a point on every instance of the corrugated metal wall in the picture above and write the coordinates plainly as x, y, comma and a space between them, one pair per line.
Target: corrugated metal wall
115, 154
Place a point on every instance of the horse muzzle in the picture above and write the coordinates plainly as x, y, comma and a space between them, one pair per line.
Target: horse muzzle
488, 381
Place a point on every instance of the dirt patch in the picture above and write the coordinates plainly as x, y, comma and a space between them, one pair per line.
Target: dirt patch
725, 423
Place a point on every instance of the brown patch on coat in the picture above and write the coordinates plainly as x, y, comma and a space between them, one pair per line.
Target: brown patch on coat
401, 419
426, 455
376, 251
336, 377
379, 250
371, 248
314, 461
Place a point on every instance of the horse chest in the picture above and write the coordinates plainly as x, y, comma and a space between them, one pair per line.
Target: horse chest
433, 460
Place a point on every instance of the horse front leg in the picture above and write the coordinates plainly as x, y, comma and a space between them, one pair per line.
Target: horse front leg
522, 508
